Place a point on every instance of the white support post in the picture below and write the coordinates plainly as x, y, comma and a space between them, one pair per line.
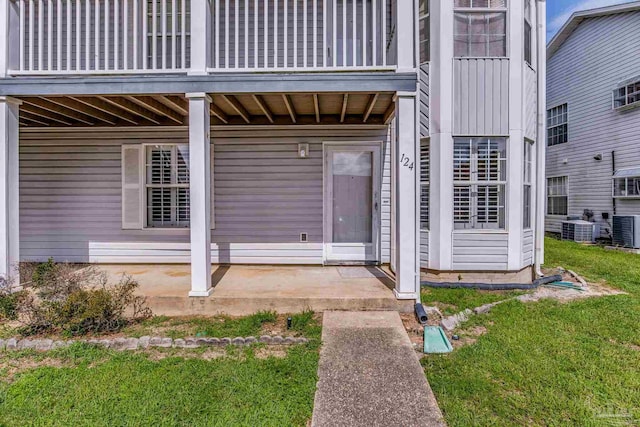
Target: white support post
515, 144
200, 37
407, 165
406, 35
9, 36
200, 193
541, 141
441, 130
9, 177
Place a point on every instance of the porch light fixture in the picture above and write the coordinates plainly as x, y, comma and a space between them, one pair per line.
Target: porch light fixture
303, 151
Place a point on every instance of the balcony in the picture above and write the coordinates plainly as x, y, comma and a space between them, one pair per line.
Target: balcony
119, 37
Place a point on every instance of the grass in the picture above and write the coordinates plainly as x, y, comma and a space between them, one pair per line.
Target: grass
88, 386
550, 363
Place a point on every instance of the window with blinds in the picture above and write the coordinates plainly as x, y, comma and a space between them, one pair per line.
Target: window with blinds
527, 180
479, 174
167, 186
425, 29
424, 184
480, 28
557, 195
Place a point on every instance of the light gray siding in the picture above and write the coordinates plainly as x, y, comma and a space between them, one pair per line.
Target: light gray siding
583, 73
264, 196
480, 251
481, 96
424, 249
424, 100
531, 103
527, 247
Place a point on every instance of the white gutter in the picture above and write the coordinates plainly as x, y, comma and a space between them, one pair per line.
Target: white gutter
541, 11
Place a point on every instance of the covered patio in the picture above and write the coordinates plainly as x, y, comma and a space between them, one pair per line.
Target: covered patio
243, 289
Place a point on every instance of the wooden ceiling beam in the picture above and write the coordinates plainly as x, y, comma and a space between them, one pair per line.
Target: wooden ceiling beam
263, 106
345, 101
316, 107
147, 102
372, 103
57, 109
108, 108
177, 104
217, 111
33, 119
290, 108
388, 115
237, 107
42, 113
90, 111
131, 107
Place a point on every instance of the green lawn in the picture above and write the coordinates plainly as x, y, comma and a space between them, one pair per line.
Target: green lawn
88, 386
549, 363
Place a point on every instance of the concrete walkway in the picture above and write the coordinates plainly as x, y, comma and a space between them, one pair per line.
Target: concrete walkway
370, 375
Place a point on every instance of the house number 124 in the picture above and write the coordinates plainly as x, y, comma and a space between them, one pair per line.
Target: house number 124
406, 162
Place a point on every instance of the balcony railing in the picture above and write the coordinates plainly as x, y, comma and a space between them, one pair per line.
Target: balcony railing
154, 36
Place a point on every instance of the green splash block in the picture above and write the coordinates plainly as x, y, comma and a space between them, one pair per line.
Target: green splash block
436, 341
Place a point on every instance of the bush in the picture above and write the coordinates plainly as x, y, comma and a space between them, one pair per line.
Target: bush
10, 299
78, 301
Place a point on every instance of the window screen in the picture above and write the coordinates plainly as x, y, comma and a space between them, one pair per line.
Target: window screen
557, 129
557, 195
480, 28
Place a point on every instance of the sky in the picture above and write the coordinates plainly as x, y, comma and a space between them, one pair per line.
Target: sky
558, 11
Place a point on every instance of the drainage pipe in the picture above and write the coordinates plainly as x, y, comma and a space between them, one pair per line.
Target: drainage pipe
541, 69
420, 313
493, 287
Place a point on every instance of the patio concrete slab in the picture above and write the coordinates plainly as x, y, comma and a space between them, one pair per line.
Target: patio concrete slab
369, 374
241, 289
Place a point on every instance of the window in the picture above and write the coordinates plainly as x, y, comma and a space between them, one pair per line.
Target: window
557, 131
627, 95
527, 32
480, 28
528, 174
425, 29
626, 183
479, 178
557, 195
424, 184
167, 186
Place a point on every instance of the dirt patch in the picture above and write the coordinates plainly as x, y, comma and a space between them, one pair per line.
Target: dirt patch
467, 336
10, 367
267, 352
177, 273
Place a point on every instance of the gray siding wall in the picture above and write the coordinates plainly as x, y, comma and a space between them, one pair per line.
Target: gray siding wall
481, 96
480, 251
424, 100
583, 74
531, 103
527, 247
424, 249
264, 196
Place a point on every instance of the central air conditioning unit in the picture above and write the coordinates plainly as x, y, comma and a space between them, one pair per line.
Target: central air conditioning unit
580, 231
626, 231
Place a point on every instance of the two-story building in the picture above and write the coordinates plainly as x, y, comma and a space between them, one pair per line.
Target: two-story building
273, 132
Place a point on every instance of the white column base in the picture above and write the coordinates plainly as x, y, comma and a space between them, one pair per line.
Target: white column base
201, 293
405, 295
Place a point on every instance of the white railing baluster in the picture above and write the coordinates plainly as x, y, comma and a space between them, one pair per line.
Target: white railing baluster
315, 33
246, 33
236, 32
217, 33
324, 33
265, 24
59, 34
69, 33
107, 12
174, 34
364, 33
96, 47
304, 36
78, 4
145, 34
295, 33
256, 13
163, 27
384, 31
116, 35
49, 34
87, 36
40, 35
285, 22
374, 32
344, 33
154, 34
275, 33
334, 27
354, 38
22, 29
226, 33
183, 35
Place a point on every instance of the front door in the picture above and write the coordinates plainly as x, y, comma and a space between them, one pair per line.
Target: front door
352, 203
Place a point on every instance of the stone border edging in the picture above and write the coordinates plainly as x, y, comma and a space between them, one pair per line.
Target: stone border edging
147, 342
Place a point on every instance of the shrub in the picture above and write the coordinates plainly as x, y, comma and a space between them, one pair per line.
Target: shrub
79, 301
10, 299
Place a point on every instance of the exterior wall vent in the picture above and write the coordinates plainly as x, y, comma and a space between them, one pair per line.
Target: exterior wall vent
580, 231
626, 231
304, 238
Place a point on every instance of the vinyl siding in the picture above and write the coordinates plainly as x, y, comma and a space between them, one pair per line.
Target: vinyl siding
480, 251
583, 74
424, 100
424, 249
527, 247
481, 97
531, 103
264, 197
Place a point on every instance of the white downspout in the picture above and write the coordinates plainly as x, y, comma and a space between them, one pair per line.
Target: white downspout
541, 16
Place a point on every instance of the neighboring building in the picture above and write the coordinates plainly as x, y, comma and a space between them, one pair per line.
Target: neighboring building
593, 129
273, 132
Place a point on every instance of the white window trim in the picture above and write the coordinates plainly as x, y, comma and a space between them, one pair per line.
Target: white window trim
547, 127
504, 10
529, 146
613, 184
546, 202
626, 106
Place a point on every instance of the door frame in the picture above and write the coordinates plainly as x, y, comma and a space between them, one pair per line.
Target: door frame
376, 218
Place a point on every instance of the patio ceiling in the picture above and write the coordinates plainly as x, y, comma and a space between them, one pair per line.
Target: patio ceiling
226, 109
